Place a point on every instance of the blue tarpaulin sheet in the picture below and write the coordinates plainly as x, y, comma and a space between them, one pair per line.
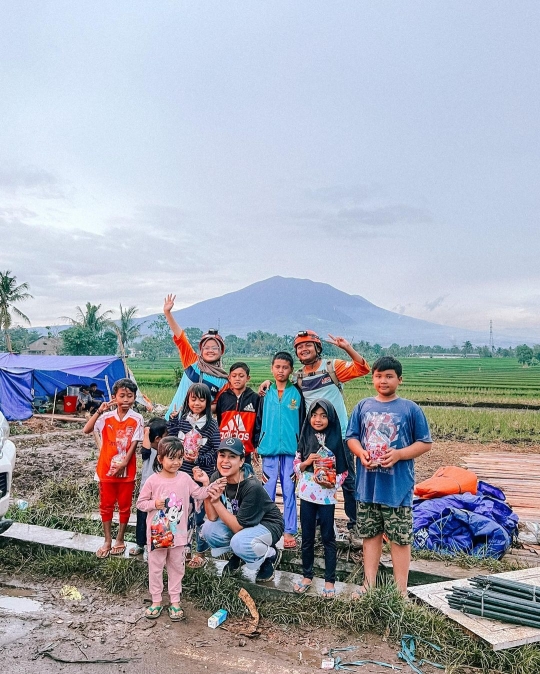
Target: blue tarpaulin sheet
481, 525
24, 377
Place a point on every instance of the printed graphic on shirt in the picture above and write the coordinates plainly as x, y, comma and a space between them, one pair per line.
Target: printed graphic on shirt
235, 428
165, 522
249, 408
382, 428
231, 504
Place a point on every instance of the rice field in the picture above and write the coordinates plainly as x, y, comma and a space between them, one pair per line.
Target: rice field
499, 381
496, 381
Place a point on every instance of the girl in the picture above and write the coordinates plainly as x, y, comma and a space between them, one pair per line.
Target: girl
204, 367
321, 467
199, 434
165, 496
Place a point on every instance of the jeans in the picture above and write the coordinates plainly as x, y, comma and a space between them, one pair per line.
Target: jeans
281, 467
349, 490
311, 514
141, 535
253, 544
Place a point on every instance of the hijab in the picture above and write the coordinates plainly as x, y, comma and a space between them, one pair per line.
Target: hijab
310, 444
214, 369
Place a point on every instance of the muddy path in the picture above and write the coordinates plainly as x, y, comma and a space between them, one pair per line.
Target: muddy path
102, 626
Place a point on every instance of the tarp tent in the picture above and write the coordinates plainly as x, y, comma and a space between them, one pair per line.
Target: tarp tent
24, 377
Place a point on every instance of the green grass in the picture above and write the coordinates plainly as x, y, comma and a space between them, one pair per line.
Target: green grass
381, 611
481, 380
446, 423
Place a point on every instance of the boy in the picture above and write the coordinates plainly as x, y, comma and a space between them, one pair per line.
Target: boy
120, 431
156, 429
386, 433
277, 429
236, 408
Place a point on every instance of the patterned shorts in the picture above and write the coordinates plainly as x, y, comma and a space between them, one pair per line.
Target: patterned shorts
373, 519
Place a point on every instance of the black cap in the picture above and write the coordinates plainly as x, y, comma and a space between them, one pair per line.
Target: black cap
233, 445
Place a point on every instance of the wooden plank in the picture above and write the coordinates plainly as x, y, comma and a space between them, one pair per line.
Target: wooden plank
517, 475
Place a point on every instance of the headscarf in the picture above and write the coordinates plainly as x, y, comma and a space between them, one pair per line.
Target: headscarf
214, 369
309, 443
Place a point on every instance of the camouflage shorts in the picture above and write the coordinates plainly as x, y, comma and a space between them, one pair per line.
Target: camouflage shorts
373, 519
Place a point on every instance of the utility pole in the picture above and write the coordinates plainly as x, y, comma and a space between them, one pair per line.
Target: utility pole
491, 343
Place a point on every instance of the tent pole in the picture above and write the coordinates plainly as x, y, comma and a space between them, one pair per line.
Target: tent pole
54, 406
108, 387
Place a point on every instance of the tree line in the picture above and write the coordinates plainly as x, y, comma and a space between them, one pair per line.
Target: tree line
94, 332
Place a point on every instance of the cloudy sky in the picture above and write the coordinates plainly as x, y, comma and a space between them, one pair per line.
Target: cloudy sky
389, 149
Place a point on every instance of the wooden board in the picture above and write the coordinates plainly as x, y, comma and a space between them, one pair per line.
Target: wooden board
518, 475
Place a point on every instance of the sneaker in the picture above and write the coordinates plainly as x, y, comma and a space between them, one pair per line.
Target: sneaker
232, 565
266, 570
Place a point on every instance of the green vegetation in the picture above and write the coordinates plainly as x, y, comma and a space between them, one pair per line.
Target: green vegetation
381, 611
494, 381
10, 293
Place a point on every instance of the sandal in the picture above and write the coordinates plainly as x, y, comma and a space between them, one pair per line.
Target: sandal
136, 550
103, 552
118, 550
153, 612
289, 543
358, 594
329, 593
197, 562
301, 587
176, 614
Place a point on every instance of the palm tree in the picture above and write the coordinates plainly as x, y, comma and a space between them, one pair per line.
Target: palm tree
10, 293
128, 330
91, 318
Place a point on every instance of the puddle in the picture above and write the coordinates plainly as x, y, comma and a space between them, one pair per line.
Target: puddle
17, 604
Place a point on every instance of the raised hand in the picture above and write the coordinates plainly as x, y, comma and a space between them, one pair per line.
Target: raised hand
168, 303
340, 342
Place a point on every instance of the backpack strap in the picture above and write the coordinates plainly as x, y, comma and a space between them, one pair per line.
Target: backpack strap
299, 375
333, 376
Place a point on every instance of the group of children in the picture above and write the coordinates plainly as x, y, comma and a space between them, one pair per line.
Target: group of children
198, 478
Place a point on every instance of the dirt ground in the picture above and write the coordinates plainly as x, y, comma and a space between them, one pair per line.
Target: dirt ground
57, 453
103, 627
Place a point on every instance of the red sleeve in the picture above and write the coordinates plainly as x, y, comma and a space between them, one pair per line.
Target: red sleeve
187, 353
349, 369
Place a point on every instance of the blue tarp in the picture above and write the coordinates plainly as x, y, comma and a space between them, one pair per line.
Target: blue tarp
24, 377
481, 525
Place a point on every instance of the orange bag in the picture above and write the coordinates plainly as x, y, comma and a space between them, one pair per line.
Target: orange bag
446, 481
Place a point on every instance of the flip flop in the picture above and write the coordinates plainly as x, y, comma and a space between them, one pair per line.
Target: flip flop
329, 593
152, 613
103, 552
197, 562
118, 550
176, 614
289, 543
301, 588
358, 594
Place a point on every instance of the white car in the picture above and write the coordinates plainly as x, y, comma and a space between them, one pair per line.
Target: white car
7, 463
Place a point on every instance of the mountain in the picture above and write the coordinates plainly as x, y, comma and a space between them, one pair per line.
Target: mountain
287, 305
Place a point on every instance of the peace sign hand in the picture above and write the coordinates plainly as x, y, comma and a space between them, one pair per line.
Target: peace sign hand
340, 342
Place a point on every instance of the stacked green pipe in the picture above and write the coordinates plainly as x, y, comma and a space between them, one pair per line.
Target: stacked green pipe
498, 599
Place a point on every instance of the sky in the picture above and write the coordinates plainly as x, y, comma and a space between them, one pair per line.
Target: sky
389, 149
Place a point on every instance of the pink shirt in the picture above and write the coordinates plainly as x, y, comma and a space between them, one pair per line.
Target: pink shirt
178, 490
